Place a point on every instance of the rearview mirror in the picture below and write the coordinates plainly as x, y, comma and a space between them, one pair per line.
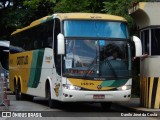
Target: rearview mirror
138, 46
61, 45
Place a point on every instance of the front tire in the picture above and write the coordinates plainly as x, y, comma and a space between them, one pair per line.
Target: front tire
51, 103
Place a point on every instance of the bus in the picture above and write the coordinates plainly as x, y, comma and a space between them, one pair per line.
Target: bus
4, 56
65, 57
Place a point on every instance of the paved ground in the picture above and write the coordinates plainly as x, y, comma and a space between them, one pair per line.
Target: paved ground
123, 109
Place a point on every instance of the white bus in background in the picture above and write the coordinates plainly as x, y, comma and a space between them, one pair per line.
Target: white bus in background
4, 54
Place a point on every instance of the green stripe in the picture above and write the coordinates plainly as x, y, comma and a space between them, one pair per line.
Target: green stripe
114, 83
36, 66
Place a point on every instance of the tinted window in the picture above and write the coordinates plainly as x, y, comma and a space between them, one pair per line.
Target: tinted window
38, 37
95, 28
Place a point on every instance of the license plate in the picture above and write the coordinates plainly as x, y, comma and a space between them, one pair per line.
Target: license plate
98, 96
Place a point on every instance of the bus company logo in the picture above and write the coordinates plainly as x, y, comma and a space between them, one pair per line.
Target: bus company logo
99, 87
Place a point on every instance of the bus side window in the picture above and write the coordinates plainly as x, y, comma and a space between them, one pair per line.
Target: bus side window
49, 42
35, 44
47, 36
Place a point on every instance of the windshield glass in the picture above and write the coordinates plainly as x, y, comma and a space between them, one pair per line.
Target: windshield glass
96, 58
95, 28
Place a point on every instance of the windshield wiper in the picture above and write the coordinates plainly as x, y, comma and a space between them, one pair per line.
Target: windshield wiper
111, 67
90, 67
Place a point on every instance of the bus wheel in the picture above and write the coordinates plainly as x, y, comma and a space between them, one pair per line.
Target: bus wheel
14, 92
106, 106
51, 103
19, 95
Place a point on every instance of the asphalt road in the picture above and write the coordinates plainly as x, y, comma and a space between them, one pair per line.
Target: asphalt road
68, 111
41, 104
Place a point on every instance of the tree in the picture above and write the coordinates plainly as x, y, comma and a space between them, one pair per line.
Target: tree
66, 6
6, 18
16, 14
39, 8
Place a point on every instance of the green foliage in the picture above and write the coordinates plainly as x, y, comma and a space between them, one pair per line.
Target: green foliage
91, 6
39, 4
9, 17
36, 9
19, 13
66, 6
118, 7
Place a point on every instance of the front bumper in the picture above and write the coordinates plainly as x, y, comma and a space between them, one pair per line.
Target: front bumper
87, 96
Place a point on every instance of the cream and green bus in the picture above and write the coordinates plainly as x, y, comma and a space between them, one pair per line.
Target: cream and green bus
73, 57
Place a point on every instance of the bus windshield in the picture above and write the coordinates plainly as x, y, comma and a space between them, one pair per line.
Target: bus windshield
97, 58
95, 28
96, 48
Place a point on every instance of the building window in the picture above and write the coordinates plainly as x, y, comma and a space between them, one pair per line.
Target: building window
155, 42
145, 41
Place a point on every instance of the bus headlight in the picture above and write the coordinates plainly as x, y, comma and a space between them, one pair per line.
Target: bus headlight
71, 87
125, 87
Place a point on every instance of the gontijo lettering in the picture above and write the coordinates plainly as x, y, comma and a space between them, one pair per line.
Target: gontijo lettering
22, 60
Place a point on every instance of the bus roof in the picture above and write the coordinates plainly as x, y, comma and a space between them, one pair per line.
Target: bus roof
89, 16
63, 16
34, 23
